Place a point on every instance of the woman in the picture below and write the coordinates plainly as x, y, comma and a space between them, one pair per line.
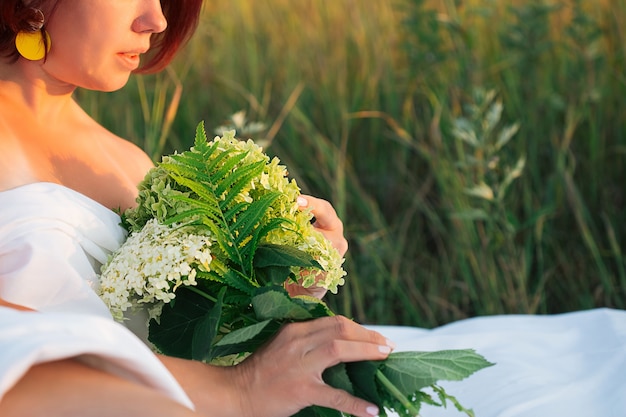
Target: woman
62, 177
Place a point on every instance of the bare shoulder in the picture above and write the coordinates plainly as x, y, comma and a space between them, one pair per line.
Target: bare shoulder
131, 159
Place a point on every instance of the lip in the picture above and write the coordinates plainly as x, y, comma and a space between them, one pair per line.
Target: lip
130, 59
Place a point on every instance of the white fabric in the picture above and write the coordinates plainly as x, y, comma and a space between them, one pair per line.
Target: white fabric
52, 242
570, 365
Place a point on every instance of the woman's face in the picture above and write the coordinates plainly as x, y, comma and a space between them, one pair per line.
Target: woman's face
96, 44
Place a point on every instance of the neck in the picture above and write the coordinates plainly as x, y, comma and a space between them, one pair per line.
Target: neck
28, 88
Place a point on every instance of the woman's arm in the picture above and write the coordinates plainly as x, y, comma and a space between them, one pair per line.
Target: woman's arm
281, 378
4, 303
68, 388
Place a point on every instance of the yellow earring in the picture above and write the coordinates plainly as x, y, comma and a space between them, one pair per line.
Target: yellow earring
31, 44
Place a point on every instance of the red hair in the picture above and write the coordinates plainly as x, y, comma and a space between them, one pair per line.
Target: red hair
182, 19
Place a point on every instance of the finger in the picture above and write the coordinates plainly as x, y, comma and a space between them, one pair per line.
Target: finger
331, 340
295, 289
326, 221
325, 214
340, 400
341, 327
339, 351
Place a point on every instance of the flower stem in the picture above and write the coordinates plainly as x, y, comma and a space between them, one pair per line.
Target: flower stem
396, 393
202, 293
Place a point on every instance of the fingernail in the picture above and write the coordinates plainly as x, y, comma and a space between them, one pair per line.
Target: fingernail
384, 349
372, 410
391, 344
302, 202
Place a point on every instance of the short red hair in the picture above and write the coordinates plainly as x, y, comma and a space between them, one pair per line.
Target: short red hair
182, 19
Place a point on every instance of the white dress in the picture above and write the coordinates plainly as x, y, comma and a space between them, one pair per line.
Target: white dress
53, 239
567, 365
52, 242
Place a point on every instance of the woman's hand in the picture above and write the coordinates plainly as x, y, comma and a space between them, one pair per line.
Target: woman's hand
331, 226
285, 375
326, 221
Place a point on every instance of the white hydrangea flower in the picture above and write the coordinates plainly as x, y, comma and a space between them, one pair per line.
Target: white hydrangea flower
151, 265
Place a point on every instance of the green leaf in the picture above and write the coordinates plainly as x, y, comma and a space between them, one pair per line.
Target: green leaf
243, 335
206, 330
252, 217
238, 179
316, 411
200, 139
412, 371
337, 377
275, 303
273, 275
282, 255
363, 377
444, 397
246, 339
273, 262
173, 334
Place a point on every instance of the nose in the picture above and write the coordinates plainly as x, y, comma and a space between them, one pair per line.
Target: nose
151, 18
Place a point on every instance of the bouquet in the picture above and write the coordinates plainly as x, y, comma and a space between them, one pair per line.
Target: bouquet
215, 236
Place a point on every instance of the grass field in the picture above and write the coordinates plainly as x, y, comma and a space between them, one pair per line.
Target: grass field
475, 150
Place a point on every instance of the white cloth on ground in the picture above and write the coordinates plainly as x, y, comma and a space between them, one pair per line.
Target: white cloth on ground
570, 364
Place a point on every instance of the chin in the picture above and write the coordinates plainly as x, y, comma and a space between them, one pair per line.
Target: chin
109, 85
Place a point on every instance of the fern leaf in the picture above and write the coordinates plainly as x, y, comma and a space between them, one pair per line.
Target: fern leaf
186, 217
235, 280
258, 237
238, 179
200, 140
231, 214
250, 219
211, 210
186, 166
205, 193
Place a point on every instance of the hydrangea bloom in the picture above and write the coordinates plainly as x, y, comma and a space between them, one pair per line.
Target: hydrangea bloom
151, 265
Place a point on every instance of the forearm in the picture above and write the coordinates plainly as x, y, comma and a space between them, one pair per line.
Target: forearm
68, 388
212, 389
4, 303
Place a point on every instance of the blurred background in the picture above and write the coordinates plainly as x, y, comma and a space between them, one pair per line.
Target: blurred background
475, 149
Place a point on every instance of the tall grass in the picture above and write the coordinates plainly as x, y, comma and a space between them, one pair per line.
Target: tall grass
473, 149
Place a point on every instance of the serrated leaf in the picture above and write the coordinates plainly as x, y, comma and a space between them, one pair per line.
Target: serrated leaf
363, 377
173, 334
239, 282
282, 255
337, 377
316, 411
314, 305
238, 180
412, 371
275, 303
206, 330
254, 213
273, 262
273, 275
246, 339
243, 335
